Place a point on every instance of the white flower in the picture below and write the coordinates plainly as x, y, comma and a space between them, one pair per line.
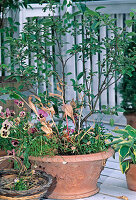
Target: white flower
16, 180
1, 108
4, 133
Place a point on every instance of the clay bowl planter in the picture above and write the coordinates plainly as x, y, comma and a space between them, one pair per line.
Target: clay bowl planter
131, 177
76, 175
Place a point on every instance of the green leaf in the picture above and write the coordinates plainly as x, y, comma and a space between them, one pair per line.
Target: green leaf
131, 131
112, 122
18, 78
91, 12
21, 87
3, 101
132, 14
103, 106
122, 131
131, 34
69, 73
120, 110
14, 96
80, 75
82, 7
73, 81
100, 7
74, 14
10, 20
49, 43
115, 141
129, 22
124, 151
124, 166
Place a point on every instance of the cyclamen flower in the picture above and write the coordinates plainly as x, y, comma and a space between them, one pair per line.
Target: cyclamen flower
15, 143
4, 133
22, 114
7, 124
20, 104
7, 113
42, 114
12, 152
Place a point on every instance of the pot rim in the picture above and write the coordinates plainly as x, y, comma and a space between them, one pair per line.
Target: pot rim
75, 158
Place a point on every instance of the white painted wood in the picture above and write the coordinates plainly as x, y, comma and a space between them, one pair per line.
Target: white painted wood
119, 24
70, 66
111, 89
95, 78
102, 58
112, 6
79, 60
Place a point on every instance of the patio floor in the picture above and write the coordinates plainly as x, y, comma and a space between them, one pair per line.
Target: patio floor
112, 183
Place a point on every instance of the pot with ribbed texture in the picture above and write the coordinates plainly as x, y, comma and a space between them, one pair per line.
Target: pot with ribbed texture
76, 175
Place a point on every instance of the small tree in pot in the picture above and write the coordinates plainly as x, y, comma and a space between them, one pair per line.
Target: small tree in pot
76, 147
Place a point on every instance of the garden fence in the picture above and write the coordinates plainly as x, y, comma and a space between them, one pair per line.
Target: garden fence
117, 9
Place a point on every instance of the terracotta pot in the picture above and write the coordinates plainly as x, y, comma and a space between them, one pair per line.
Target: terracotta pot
5, 164
76, 175
131, 119
131, 177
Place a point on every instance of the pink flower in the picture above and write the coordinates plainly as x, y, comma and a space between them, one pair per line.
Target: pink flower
22, 114
15, 143
7, 124
42, 114
12, 152
7, 113
16, 102
12, 113
71, 130
32, 130
2, 115
20, 104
